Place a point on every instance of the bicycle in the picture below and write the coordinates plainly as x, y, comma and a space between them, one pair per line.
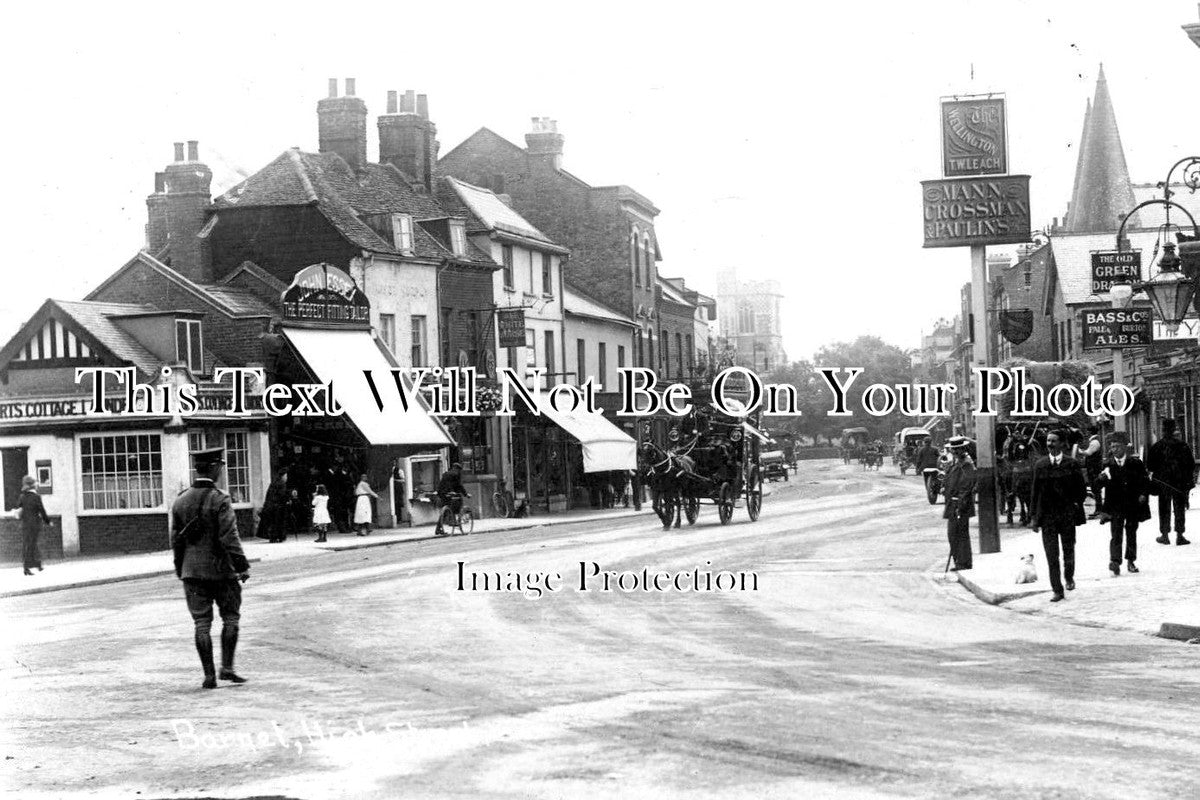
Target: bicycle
503, 502
463, 519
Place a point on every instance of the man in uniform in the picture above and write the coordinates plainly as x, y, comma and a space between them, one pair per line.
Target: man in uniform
1173, 474
1125, 482
210, 562
959, 488
1056, 508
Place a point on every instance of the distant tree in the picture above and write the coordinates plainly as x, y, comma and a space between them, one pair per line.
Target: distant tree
881, 363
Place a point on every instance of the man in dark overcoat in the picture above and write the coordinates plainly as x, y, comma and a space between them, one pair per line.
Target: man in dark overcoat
210, 562
1056, 507
1173, 475
1125, 482
959, 489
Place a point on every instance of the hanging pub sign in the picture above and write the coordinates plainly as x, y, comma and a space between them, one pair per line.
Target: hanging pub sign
1113, 267
974, 136
976, 211
1016, 324
323, 294
511, 325
1113, 328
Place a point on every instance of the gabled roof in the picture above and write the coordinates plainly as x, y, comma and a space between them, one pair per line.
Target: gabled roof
492, 212
674, 295
228, 300
344, 196
91, 323
1071, 264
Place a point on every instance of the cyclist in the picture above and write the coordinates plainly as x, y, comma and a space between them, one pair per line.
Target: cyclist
450, 492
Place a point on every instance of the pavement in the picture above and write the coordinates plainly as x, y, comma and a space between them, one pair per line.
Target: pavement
72, 573
1158, 600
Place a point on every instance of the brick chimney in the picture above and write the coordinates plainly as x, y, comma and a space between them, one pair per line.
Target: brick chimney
342, 125
407, 138
545, 144
178, 212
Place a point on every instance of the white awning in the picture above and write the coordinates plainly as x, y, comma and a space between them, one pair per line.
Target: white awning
605, 446
755, 432
339, 357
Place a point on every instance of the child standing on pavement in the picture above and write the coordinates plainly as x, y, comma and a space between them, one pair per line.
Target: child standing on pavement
321, 519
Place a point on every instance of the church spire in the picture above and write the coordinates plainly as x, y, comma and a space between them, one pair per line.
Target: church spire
1103, 193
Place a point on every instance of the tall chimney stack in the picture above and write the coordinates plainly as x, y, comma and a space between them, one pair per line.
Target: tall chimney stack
408, 139
342, 125
178, 211
544, 144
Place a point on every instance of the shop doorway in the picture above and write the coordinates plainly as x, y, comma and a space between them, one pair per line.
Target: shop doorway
14, 462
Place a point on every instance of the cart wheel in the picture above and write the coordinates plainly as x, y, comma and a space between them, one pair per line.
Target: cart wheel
725, 502
754, 494
692, 510
932, 489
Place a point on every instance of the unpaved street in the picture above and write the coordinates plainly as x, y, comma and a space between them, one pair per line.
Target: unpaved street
849, 673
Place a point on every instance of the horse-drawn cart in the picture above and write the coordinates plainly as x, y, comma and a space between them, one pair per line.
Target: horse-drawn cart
710, 458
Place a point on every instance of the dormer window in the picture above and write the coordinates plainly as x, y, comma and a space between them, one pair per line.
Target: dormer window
402, 232
189, 348
458, 237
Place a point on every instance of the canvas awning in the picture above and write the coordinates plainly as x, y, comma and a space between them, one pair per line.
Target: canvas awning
605, 446
339, 357
755, 433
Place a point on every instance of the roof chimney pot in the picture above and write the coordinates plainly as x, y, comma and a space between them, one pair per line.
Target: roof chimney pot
349, 87
423, 106
333, 87
179, 151
392, 103
409, 104
193, 150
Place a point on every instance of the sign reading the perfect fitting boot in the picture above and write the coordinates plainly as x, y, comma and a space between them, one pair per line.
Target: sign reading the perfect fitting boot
1109, 328
323, 294
1113, 267
974, 137
976, 211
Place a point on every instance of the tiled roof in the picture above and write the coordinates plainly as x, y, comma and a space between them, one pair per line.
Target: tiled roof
95, 318
238, 301
343, 196
673, 294
1073, 259
493, 212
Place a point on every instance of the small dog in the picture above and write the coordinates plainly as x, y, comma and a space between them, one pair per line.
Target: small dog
1027, 574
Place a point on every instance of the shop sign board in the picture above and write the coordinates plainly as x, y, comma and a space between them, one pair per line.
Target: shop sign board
511, 325
961, 212
1115, 266
1188, 331
974, 137
324, 294
1116, 328
76, 407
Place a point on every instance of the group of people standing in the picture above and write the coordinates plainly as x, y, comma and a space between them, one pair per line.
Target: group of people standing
315, 499
1121, 483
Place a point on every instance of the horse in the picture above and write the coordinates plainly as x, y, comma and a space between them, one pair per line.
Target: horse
670, 474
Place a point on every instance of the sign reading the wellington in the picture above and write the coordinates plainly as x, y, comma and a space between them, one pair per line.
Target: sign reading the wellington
324, 294
976, 211
1115, 267
511, 325
974, 137
1117, 328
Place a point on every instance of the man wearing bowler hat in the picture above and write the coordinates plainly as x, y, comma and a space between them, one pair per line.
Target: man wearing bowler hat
1173, 476
210, 562
959, 488
1125, 481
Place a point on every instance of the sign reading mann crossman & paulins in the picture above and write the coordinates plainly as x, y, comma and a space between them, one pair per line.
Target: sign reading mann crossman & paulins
1106, 328
1113, 267
976, 211
974, 137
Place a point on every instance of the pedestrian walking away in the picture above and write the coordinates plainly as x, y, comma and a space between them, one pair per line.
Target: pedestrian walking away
1172, 476
320, 517
211, 563
363, 513
33, 514
1056, 509
1125, 501
960, 502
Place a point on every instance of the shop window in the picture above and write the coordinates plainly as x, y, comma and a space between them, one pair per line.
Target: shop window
189, 349
235, 477
425, 475
123, 471
474, 450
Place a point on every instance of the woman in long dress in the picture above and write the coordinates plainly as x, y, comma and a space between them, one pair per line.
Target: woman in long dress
363, 515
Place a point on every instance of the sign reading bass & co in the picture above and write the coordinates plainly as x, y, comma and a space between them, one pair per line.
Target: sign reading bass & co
976, 211
1111, 328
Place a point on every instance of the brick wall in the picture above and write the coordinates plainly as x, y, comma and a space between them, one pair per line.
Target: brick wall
123, 533
1010, 283
12, 543
461, 289
281, 241
674, 319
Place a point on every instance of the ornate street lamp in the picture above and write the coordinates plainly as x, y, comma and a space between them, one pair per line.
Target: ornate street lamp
1170, 290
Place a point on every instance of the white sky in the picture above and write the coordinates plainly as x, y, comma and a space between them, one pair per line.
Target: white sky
784, 139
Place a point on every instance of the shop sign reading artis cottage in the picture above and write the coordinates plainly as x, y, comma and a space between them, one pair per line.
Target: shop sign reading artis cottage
324, 295
976, 211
